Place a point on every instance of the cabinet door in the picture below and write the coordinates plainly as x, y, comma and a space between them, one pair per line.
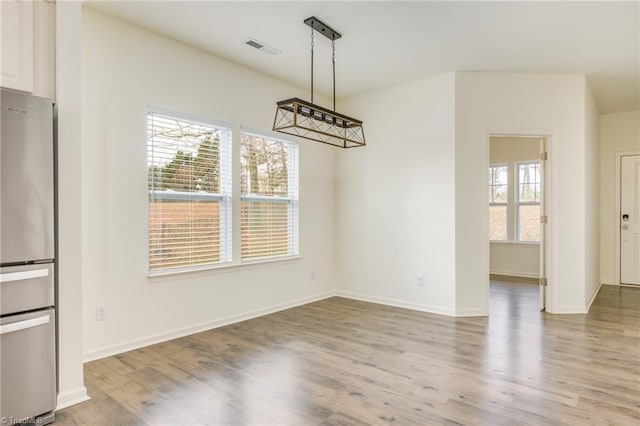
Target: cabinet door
28, 365
16, 35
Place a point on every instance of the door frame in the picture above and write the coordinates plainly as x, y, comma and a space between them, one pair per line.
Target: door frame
617, 262
550, 295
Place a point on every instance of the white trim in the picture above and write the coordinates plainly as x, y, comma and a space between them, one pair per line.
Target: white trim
471, 313
280, 137
517, 243
129, 345
570, 309
514, 133
594, 295
513, 273
185, 116
72, 397
266, 259
397, 303
617, 262
607, 281
549, 135
623, 285
551, 296
71, 248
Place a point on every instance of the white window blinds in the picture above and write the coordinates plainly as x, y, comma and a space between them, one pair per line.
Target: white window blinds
189, 182
498, 199
528, 201
269, 197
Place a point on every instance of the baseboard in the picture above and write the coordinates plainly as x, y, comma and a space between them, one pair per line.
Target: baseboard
130, 345
594, 295
397, 303
513, 273
472, 313
623, 285
72, 397
607, 280
569, 309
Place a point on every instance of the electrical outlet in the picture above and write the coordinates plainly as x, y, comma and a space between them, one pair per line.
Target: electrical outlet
101, 312
312, 275
420, 281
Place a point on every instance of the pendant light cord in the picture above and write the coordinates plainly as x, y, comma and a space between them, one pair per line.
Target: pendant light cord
333, 63
333, 60
312, 30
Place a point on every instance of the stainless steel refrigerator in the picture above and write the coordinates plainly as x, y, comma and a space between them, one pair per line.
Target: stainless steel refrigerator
27, 249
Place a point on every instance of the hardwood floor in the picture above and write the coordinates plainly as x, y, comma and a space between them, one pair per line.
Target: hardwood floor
345, 362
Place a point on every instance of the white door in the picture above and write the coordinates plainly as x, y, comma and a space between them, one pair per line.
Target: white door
630, 220
543, 223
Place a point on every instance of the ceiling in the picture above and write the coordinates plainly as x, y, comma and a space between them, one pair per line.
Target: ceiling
388, 43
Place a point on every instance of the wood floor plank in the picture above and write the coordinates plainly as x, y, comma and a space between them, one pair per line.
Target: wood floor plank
347, 362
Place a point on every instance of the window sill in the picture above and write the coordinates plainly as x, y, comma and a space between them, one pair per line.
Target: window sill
518, 243
219, 269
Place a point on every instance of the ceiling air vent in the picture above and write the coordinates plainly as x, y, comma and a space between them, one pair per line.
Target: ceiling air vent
265, 48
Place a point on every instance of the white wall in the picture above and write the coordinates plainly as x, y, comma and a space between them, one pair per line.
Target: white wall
511, 149
407, 170
592, 197
424, 165
618, 133
395, 206
69, 295
126, 69
509, 257
515, 259
521, 104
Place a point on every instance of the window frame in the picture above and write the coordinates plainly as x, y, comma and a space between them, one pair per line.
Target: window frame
224, 194
292, 198
505, 203
518, 203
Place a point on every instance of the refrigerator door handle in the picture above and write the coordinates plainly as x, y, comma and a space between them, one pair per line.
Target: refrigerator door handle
24, 275
22, 325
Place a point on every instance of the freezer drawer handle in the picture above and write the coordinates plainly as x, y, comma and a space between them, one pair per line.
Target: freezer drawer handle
24, 275
21, 325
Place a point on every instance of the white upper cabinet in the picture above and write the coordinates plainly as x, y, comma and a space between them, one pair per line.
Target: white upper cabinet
16, 68
28, 46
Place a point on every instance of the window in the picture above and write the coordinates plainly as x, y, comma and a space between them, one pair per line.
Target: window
498, 191
268, 197
189, 182
528, 202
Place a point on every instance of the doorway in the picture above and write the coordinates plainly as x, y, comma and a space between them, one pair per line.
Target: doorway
629, 215
518, 181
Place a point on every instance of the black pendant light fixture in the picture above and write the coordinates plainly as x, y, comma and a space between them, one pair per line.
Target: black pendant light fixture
310, 121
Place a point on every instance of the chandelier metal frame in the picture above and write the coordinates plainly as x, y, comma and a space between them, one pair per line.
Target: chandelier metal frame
307, 120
